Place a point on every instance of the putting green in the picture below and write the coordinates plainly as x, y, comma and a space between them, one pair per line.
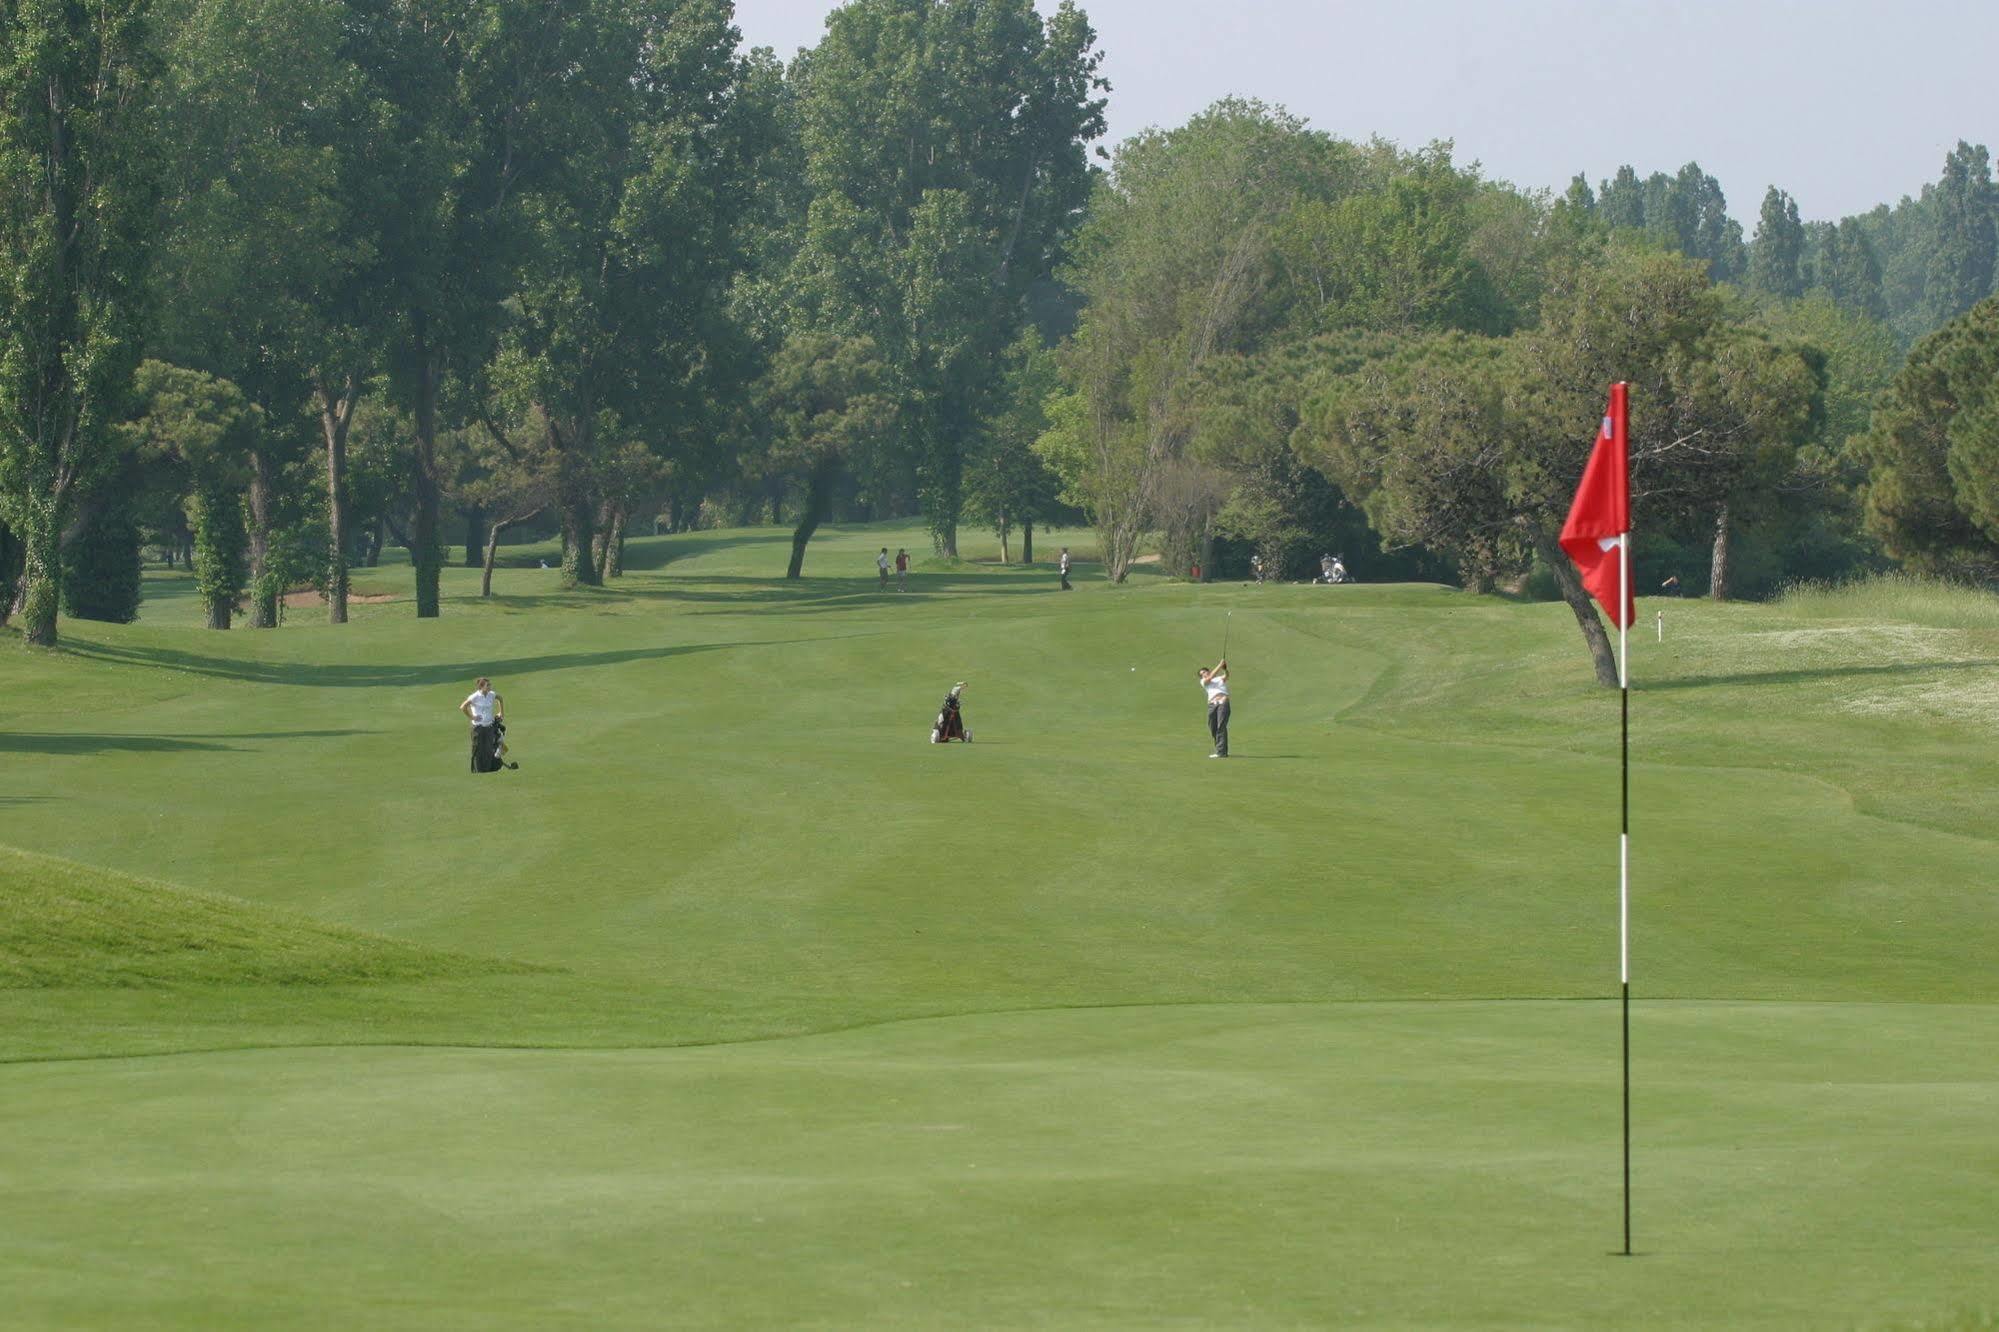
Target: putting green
741, 1004
1433, 1164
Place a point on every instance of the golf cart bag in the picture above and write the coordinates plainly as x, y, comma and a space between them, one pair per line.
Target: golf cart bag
950, 723
486, 747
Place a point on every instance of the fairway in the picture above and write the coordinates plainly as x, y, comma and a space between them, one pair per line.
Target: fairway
740, 1004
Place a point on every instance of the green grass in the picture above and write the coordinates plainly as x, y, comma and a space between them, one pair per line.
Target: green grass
741, 1005
68, 925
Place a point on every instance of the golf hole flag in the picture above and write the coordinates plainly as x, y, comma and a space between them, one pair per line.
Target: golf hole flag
1600, 518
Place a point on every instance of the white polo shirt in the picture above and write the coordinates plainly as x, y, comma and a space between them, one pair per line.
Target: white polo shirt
482, 707
1217, 687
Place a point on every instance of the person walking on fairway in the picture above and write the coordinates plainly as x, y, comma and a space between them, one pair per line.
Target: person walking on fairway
881, 567
1064, 564
487, 712
1216, 681
901, 568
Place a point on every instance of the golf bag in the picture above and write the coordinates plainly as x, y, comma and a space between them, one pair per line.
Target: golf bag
486, 747
950, 723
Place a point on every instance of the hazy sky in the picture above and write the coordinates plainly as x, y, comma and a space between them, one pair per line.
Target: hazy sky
1844, 103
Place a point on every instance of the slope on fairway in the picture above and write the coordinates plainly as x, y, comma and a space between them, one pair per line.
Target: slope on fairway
63, 924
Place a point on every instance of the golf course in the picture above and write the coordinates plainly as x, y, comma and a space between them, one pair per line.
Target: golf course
740, 1004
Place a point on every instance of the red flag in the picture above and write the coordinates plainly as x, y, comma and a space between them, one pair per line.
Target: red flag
1601, 514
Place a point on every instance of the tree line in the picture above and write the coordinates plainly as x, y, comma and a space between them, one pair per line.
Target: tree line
284, 281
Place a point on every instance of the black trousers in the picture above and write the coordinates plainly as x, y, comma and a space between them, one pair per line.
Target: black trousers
1065, 580
1218, 724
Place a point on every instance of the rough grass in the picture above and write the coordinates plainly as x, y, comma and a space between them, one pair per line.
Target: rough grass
64, 924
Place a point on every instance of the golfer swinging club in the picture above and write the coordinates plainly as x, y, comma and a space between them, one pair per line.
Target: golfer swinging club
487, 712
1215, 680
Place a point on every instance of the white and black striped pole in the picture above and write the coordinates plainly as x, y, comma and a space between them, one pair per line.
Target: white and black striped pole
1624, 848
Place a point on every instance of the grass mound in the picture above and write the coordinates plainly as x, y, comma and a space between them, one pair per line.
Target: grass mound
64, 924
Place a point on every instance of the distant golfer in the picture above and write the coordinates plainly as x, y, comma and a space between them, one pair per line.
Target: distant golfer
1216, 681
901, 568
881, 567
487, 712
1064, 563
1256, 568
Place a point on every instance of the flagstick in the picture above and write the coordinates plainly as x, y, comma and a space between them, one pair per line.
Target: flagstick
1624, 848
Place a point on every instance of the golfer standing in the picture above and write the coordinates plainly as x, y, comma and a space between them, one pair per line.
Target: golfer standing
901, 568
1064, 562
487, 712
1216, 681
881, 567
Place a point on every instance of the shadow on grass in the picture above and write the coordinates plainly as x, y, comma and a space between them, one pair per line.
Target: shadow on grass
371, 675
83, 742
1807, 676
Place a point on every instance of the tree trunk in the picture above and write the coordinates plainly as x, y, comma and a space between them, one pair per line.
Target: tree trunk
579, 512
9, 552
1573, 592
1027, 542
818, 501
336, 413
600, 547
475, 520
614, 547
1005, 555
41, 573
493, 548
263, 596
218, 613
1717, 586
427, 550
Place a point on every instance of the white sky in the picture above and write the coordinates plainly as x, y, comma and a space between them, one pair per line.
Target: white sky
1845, 103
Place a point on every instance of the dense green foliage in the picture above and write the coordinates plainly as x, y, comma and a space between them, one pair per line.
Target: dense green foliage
1933, 452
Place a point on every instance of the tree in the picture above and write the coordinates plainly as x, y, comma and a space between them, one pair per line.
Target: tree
516, 478
1776, 255
78, 197
1474, 446
1848, 272
263, 275
207, 427
1932, 452
621, 327
1962, 245
1007, 483
943, 142
824, 410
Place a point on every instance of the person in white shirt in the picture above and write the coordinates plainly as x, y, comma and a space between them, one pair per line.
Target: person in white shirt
1215, 680
1065, 569
881, 567
487, 712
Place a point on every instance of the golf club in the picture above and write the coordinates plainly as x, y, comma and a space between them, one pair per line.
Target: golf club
1227, 618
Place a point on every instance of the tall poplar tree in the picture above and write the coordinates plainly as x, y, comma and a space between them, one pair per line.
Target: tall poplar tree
78, 210
1962, 243
1776, 255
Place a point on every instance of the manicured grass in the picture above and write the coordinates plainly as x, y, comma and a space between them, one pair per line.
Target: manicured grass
800, 1019
69, 925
